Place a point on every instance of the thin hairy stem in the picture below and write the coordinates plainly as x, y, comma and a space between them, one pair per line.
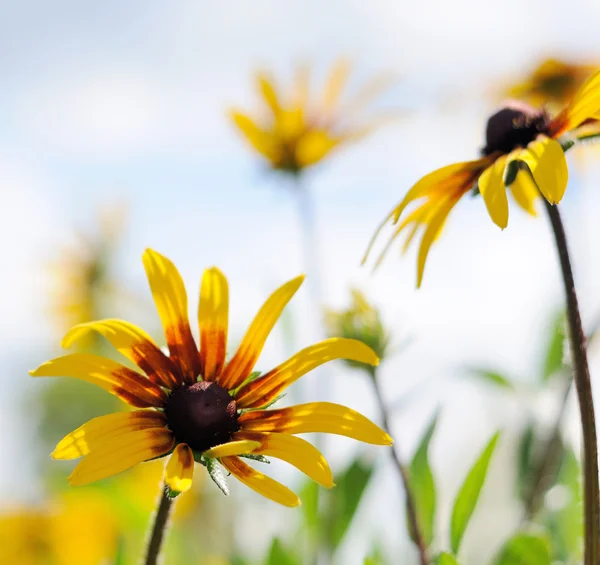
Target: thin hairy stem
159, 528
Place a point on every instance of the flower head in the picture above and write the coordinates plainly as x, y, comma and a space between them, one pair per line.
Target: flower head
194, 405
522, 153
296, 132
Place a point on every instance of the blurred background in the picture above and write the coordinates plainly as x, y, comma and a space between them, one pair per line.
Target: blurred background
115, 136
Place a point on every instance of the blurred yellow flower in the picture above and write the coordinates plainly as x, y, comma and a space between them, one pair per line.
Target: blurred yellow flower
296, 132
522, 153
195, 406
361, 321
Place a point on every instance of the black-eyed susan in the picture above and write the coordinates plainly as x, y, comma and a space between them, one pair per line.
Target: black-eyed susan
194, 405
295, 132
522, 153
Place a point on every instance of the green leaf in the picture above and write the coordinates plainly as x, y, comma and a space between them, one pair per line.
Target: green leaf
422, 486
446, 559
346, 497
375, 557
525, 461
554, 354
492, 377
279, 555
216, 474
309, 494
469, 494
255, 457
524, 549
120, 557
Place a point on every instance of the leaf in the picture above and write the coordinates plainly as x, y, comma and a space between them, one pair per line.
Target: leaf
446, 559
375, 557
469, 494
216, 474
422, 486
524, 549
346, 497
255, 457
309, 495
554, 354
525, 461
279, 555
492, 377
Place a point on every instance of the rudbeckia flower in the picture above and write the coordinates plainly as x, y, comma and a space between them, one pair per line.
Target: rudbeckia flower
295, 132
194, 405
522, 154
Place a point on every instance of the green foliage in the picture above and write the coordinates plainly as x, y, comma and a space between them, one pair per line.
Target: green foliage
554, 351
422, 486
524, 549
525, 460
216, 474
469, 494
280, 555
492, 377
446, 559
309, 495
375, 557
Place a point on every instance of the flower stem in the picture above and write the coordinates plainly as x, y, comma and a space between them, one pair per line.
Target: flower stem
581, 375
411, 509
159, 527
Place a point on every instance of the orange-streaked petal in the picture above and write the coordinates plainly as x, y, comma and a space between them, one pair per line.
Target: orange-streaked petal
171, 302
525, 192
242, 363
548, 165
260, 139
232, 448
213, 313
295, 451
117, 454
260, 483
113, 377
323, 417
491, 186
83, 440
133, 343
263, 390
180, 469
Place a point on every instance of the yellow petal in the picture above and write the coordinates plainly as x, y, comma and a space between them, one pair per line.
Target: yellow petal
260, 483
213, 314
263, 390
133, 343
242, 363
232, 448
295, 451
314, 146
113, 377
323, 417
335, 84
491, 186
548, 165
267, 89
117, 454
261, 140
170, 298
180, 469
525, 192
84, 439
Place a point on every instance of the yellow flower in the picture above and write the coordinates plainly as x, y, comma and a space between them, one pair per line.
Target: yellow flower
521, 154
297, 132
193, 404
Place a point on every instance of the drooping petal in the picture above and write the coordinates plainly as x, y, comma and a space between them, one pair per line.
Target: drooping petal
525, 192
120, 453
314, 146
491, 186
180, 469
335, 84
84, 439
171, 302
584, 105
267, 90
263, 390
213, 314
259, 482
548, 165
232, 448
133, 343
295, 451
242, 363
260, 139
113, 377
323, 417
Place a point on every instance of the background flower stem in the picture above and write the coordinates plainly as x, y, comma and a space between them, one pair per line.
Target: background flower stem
581, 375
159, 528
411, 509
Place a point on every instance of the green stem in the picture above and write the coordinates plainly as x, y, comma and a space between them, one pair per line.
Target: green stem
159, 528
581, 375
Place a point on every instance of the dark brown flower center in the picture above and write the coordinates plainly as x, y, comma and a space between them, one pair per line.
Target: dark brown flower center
202, 415
514, 126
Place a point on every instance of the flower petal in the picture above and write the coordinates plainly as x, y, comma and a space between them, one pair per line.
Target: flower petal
232, 448
267, 90
548, 165
295, 451
170, 298
313, 146
259, 482
180, 469
263, 390
213, 314
491, 186
242, 363
261, 140
117, 454
113, 377
335, 84
525, 192
83, 440
133, 343
323, 417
